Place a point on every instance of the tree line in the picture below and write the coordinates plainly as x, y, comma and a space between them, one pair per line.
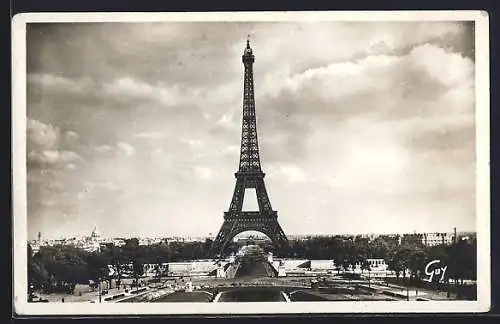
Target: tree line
406, 257
60, 268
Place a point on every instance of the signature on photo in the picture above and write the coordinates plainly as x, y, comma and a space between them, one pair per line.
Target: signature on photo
434, 268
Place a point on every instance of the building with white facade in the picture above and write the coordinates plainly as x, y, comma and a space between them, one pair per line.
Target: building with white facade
118, 242
374, 266
433, 239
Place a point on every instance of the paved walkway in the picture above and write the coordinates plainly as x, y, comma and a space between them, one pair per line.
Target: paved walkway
86, 296
82, 293
414, 292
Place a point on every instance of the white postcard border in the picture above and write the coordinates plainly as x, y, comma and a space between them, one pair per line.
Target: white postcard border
22, 307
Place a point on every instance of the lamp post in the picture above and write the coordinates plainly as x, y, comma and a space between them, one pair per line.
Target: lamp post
99, 288
408, 291
30, 292
418, 281
455, 262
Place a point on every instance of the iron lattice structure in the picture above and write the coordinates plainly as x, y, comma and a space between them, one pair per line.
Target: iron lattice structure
249, 175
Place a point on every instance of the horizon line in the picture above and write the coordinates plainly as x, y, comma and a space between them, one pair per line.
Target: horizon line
187, 236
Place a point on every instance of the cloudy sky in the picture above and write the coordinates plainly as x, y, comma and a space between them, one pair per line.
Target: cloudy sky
363, 127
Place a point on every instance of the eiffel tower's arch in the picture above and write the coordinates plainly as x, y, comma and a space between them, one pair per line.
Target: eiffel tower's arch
277, 244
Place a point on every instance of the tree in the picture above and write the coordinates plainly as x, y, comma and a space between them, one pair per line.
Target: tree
117, 261
137, 268
468, 260
362, 251
158, 267
462, 258
403, 255
338, 260
365, 265
98, 268
346, 263
37, 274
231, 248
416, 263
395, 263
207, 245
66, 266
379, 247
131, 243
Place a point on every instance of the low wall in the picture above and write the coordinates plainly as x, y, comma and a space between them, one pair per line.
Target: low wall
232, 270
465, 292
127, 296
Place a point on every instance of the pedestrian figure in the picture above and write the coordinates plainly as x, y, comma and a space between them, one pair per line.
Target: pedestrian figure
62, 300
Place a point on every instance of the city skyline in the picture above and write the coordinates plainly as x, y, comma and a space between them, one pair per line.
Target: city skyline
136, 127
243, 234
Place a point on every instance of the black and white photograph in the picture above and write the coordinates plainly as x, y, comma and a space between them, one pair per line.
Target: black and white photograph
305, 162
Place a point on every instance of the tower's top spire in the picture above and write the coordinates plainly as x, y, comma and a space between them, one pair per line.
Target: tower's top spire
248, 55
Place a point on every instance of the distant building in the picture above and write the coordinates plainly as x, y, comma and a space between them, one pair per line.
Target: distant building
151, 270
118, 242
250, 240
468, 237
322, 265
95, 235
370, 236
93, 242
35, 247
433, 239
412, 239
375, 265
150, 241
92, 246
144, 241
393, 239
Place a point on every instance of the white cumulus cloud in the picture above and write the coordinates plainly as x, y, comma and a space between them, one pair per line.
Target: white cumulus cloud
128, 149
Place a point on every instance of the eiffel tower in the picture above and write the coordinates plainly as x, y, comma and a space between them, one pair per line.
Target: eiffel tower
249, 175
